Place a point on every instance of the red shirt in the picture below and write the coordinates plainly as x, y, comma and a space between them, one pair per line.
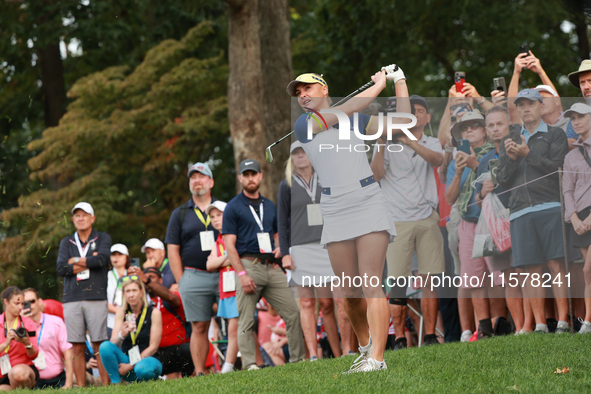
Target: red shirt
53, 307
173, 330
17, 351
220, 247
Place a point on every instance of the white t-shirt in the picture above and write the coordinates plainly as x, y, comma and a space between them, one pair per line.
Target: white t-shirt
409, 183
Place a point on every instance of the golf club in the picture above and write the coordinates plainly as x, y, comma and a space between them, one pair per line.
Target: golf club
269, 154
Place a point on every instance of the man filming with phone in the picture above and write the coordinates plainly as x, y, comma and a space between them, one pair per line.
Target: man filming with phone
54, 360
533, 157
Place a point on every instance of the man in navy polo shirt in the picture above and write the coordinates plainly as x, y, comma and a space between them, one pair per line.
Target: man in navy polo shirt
190, 238
250, 234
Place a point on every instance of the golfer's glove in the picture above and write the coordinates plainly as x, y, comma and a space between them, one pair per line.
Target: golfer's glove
394, 73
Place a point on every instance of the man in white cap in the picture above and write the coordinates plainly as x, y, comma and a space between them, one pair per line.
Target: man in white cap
156, 257
83, 262
190, 238
576, 186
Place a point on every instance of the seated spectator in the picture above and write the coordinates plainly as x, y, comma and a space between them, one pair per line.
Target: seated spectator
54, 361
576, 186
138, 329
218, 261
18, 350
174, 351
156, 257
120, 263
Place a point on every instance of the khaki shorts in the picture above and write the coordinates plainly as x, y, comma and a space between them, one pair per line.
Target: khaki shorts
420, 236
80, 316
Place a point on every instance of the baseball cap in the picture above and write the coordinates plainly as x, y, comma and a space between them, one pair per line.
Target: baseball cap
200, 167
529, 94
579, 108
153, 270
249, 164
546, 88
295, 145
416, 99
153, 243
120, 248
217, 205
469, 117
86, 207
305, 78
583, 68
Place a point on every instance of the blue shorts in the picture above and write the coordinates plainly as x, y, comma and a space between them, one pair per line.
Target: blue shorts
227, 308
536, 237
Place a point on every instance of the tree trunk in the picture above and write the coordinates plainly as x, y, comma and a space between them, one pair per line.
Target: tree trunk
260, 69
52, 83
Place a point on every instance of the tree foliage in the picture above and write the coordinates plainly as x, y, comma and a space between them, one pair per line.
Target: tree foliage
124, 145
349, 41
93, 35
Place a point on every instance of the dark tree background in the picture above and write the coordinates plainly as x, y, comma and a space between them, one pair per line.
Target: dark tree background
108, 102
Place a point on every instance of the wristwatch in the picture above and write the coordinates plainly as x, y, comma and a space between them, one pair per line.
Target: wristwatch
30, 346
76, 260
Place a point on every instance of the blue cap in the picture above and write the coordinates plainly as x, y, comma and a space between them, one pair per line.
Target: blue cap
200, 167
529, 94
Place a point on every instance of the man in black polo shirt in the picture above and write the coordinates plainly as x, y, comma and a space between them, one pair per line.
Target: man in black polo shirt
190, 238
250, 233
83, 262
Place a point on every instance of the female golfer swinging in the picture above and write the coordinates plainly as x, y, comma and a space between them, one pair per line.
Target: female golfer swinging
356, 228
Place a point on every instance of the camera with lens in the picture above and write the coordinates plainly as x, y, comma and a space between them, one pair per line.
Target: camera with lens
21, 332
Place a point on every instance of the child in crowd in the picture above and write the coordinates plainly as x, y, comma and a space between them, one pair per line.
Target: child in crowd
227, 309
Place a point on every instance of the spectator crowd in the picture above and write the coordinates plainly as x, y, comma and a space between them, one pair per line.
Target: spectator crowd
226, 288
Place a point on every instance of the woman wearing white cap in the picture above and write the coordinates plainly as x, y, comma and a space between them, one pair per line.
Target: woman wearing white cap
120, 263
356, 230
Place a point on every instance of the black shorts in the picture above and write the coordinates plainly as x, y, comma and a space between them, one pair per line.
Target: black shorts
5, 379
580, 241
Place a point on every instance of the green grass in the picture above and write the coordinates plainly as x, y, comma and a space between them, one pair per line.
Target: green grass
523, 363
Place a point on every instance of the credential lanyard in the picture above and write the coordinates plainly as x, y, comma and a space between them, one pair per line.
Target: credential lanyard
6, 331
81, 250
139, 326
41, 331
256, 218
200, 216
311, 190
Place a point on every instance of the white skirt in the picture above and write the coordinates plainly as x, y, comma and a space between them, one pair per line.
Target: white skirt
312, 264
351, 215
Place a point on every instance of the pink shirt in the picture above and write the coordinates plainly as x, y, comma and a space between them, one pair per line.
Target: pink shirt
53, 342
576, 180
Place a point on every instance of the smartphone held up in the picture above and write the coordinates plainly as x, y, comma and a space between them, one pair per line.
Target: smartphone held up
460, 80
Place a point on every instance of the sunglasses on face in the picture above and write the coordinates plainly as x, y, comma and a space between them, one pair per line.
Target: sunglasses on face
472, 126
129, 277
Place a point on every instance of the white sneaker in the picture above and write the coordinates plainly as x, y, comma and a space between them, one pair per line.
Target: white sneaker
585, 327
466, 335
369, 365
253, 368
364, 353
